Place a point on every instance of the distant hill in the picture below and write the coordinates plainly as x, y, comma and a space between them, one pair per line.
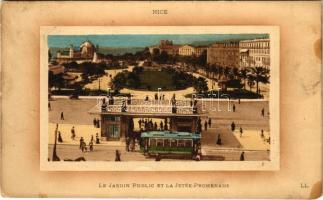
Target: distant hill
105, 50
119, 50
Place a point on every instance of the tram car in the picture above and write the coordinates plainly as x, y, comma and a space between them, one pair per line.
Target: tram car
167, 142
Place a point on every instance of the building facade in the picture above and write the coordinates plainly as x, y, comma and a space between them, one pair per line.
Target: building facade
225, 54
165, 46
199, 50
255, 53
186, 50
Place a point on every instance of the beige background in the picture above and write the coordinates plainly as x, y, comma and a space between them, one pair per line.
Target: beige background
300, 98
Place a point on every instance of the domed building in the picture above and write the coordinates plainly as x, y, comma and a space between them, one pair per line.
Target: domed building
87, 49
86, 52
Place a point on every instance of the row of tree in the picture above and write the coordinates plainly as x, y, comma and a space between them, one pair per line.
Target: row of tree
239, 78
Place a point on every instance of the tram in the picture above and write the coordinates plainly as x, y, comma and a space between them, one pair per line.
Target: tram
167, 142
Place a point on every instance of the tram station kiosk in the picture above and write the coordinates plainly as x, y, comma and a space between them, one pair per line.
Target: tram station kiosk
117, 116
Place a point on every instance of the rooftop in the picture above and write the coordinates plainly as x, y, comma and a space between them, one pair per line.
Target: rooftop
169, 134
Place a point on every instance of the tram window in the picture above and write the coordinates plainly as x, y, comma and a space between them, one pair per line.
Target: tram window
153, 142
166, 143
160, 142
188, 143
181, 143
173, 143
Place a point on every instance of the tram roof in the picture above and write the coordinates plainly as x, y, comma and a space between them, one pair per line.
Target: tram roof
169, 134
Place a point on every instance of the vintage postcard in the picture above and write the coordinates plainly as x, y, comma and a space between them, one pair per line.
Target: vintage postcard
155, 98
176, 99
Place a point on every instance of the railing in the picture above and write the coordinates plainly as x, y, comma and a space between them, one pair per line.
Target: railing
146, 106
149, 109
120, 101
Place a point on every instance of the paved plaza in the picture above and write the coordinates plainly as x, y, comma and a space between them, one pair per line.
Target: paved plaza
247, 115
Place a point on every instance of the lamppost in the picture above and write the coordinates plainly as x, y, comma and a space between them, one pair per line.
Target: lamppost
108, 91
158, 93
220, 88
99, 84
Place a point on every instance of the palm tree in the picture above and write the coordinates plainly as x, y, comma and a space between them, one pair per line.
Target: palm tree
220, 72
243, 74
259, 74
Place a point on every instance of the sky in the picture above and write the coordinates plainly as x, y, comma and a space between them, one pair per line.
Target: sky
115, 41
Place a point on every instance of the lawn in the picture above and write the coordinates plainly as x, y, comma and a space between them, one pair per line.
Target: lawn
152, 80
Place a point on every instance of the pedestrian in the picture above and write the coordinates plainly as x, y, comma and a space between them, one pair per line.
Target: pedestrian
263, 112
147, 98
241, 131
210, 122
233, 126
97, 123
92, 139
73, 133
127, 143
91, 145
219, 141
133, 144
118, 156
139, 122
161, 125
242, 156
97, 139
158, 157
262, 133
49, 106
205, 125
60, 140
234, 108
81, 142
62, 116
83, 147
163, 97
239, 100
155, 126
94, 122
156, 96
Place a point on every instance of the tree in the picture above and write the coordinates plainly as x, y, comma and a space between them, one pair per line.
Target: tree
259, 74
49, 55
156, 54
200, 85
133, 80
55, 80
137, 70
163, 57
119, 81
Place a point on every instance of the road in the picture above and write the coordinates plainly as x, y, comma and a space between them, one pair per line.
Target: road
107, 153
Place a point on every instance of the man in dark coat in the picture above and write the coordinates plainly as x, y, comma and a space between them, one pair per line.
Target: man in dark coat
233, 126
242, 156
